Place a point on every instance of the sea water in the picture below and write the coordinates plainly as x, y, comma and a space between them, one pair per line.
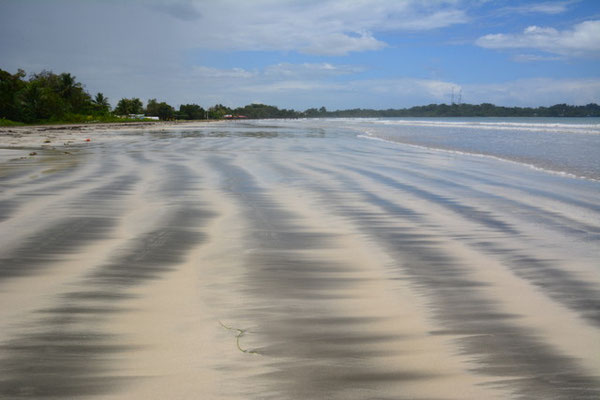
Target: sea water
568, 146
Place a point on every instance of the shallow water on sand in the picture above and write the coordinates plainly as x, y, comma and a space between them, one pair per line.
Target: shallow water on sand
561, 145
296, 259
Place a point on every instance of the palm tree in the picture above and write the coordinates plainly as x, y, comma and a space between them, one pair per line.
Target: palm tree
102, 102
67, 85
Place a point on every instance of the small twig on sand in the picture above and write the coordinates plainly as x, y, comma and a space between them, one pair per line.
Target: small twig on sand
238, 335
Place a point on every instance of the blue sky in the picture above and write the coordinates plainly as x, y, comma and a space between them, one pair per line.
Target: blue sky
301, 54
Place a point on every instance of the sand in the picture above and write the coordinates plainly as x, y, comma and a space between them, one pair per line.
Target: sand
289, 260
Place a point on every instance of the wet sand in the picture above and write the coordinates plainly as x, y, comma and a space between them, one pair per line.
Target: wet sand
290, 260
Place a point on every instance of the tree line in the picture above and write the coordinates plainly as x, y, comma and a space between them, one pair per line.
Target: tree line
50, 97
46, 96
466, 110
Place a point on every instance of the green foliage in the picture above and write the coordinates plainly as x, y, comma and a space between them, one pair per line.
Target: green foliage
49, 95
10, 86
152, 108
110, 118
311, 113
101, 104
466, 110
76, 118
45, 96
8, 122
93, 118
129, 106
218, 111
264, 111
191, 111
161, 110
165, 111
41, 101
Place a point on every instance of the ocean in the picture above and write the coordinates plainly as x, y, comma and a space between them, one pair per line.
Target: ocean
561, 145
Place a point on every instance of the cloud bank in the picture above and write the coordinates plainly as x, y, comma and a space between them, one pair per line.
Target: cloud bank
309, 85
582, 40
292, 53
326, 27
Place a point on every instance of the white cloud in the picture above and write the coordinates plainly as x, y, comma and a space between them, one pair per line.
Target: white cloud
149, 48
339, 44
549, 7
183, 10
156, 49
326, 27
406, 92
582, 40
288, 86
429, 90
288, 70
439, 19
276, 72
201, 71
535, 92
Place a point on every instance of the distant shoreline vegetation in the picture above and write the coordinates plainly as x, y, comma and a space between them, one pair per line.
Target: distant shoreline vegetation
47, 97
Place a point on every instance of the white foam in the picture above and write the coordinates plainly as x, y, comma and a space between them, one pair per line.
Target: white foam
590, 129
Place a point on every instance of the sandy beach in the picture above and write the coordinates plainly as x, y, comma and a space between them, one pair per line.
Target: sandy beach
289, 260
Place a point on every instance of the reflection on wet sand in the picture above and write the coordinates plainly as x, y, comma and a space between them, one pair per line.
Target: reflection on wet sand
254, 260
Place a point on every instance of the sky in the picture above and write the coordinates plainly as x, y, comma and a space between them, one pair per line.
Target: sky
310, 53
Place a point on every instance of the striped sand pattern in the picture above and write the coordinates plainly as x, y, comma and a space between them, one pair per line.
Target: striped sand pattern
293, 259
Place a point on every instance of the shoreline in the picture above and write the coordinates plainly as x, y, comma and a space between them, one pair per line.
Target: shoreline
40, 137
